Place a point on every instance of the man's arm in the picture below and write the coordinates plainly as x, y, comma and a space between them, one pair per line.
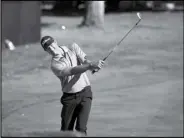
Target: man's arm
61, 70
83, 57
79, 52
76, 70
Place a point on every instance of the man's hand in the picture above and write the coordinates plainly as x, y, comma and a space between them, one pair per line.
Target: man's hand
97, 65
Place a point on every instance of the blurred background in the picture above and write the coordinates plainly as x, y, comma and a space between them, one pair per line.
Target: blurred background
138, 93
25, 22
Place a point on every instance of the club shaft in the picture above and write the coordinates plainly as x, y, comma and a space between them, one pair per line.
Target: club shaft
119, 43
121, 40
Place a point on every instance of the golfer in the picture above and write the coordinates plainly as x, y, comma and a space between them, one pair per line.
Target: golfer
69, 64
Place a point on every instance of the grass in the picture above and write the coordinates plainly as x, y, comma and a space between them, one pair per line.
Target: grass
137, 93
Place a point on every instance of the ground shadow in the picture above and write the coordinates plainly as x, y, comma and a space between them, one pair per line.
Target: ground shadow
64, 13
77, 13
45, 25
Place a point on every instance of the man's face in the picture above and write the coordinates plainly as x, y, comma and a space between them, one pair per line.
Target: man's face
53, 49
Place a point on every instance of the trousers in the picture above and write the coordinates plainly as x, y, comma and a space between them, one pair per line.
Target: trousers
76, 109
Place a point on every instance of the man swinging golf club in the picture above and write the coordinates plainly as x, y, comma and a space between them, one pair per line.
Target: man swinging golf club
69, 64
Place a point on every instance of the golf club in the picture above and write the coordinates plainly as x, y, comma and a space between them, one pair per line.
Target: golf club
139, 16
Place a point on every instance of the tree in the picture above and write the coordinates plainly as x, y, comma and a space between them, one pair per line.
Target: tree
94, 14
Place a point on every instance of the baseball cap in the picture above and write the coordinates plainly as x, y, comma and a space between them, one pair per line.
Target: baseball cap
46, 41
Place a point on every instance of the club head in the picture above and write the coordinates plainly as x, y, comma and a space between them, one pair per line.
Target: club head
139, 15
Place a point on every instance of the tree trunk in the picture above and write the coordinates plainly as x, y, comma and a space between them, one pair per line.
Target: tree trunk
94, 14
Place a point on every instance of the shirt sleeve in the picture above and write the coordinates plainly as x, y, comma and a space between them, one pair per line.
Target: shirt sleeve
57, 67
80, 54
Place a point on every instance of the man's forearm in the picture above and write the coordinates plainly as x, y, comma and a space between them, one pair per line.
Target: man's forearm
80, 69
76, 70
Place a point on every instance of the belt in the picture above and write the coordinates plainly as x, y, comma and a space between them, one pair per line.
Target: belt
76, 93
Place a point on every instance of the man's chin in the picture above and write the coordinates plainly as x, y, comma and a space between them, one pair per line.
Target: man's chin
58, 55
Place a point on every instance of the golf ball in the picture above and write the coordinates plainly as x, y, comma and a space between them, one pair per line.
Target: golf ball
63, 27
170, 6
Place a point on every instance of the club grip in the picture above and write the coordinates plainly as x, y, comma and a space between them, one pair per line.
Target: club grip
94, 71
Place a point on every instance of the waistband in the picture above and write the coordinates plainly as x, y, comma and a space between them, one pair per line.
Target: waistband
83, 90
